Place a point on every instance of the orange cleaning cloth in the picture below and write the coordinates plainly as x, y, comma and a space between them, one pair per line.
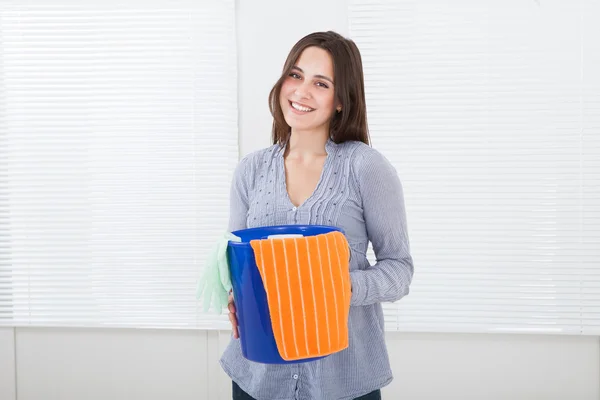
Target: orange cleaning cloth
307, 282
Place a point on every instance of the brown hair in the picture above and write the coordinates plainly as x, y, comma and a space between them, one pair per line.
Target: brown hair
351, 122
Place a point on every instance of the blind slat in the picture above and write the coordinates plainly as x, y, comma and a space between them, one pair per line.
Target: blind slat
118, 140
490, 115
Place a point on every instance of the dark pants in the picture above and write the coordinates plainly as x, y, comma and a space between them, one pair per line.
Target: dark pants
239, 394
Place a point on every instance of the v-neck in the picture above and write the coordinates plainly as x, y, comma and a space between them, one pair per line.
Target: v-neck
329, 149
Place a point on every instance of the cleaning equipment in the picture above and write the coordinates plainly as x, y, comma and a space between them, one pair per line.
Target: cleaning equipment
292, 291
307, 281
215, 284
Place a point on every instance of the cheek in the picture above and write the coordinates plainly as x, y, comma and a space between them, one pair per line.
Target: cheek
288, 87
326, 100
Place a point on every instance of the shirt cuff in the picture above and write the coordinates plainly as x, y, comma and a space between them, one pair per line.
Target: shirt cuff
357, 288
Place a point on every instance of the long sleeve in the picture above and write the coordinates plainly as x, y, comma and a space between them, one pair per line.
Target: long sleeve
238, 197
382, 196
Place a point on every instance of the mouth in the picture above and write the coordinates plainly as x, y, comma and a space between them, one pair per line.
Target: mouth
300, 107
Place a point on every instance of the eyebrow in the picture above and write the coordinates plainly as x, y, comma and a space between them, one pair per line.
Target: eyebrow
316, 76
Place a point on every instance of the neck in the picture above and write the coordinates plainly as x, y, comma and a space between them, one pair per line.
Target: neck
307, 143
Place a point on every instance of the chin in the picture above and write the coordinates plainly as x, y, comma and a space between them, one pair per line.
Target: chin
294, 123
300, 127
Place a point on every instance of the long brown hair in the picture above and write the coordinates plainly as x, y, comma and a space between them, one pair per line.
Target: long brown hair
351, 122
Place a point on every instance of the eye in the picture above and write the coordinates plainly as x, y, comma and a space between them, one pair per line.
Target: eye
323, 85
295, 75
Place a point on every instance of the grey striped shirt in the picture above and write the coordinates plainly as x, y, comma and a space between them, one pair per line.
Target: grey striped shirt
360, 192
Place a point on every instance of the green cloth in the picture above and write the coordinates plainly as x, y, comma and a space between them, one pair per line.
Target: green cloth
215, 284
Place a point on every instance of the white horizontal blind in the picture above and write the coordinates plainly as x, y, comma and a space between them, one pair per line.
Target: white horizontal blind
490, 111
118, 140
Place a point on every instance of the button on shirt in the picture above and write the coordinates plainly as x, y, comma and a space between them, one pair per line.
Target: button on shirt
360, 192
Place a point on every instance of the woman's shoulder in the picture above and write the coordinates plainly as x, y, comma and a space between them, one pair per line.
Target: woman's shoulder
258, 157
368, 165
362, 156
255, 160
370, 169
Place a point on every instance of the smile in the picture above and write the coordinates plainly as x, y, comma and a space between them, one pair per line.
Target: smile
299, 107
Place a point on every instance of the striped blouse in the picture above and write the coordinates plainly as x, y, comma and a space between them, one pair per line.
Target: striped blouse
360, 192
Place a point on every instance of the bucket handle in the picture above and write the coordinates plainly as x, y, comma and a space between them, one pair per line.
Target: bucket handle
285, 236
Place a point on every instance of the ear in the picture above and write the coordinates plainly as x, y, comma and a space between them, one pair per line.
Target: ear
339, 108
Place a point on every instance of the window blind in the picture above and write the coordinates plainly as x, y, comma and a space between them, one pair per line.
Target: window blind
118, 140
490, 111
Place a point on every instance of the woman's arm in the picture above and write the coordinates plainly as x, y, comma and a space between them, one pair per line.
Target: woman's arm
238, 197
385, 219
238, 213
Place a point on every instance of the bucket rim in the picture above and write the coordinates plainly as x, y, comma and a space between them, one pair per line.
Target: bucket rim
301, 226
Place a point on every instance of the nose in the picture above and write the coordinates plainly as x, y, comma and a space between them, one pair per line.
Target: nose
302, 90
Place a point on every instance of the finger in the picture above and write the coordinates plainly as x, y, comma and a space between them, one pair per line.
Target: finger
236, 330
233, 320
234, 325
232, 316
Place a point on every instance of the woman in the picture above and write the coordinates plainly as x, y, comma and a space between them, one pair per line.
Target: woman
321, 170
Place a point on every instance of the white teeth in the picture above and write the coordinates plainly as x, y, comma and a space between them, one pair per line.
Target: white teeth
301, 108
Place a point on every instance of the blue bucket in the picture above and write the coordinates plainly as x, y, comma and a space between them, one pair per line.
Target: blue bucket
252, 311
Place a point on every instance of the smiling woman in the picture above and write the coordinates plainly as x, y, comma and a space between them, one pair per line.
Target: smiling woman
321, 170
307, 91
322, 73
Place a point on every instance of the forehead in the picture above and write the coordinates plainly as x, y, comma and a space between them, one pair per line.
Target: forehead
316, 61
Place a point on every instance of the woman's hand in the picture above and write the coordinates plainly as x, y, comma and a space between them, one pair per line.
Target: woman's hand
232, 317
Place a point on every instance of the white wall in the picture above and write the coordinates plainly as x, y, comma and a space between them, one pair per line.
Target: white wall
267, 30
7, 364
75, 364
97, 364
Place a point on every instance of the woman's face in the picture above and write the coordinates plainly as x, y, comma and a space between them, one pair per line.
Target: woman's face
307, 95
